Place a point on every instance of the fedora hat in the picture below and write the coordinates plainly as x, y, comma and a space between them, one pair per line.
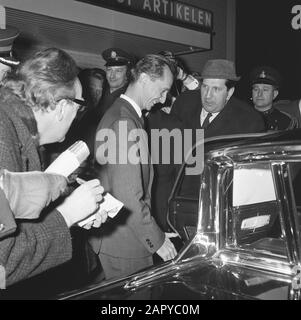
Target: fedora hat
219, 69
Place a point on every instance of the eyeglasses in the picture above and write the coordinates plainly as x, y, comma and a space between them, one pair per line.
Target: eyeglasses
82, 104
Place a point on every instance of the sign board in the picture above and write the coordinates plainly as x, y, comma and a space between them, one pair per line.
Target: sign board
168, 11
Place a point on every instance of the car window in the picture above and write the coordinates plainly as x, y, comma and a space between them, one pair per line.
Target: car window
253, 184
255, 210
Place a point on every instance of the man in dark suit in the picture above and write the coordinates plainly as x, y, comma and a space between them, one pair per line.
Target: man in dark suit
214, 108
127, 244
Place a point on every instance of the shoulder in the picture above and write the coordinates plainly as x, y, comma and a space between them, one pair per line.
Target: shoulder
186, 104
243, 108
189, 95
118, 117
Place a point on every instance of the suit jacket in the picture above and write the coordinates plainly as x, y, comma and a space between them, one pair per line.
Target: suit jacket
108, 99
35, 246
133, 233
236, 117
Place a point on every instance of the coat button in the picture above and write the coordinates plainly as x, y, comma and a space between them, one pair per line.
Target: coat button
2, 227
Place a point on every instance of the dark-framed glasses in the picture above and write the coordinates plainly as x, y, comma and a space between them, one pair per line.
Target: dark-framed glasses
82, 104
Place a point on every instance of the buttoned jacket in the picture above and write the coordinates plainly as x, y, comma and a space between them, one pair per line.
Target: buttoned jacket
133, 233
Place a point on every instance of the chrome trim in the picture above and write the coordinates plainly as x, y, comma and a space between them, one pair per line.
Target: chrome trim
288, 213
253, 259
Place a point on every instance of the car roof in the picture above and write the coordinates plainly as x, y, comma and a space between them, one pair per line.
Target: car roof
288, 137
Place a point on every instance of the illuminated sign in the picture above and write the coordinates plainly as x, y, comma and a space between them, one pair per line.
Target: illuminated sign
168, 11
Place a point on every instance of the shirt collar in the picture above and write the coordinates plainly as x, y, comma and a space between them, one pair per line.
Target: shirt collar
204, 115
133, 103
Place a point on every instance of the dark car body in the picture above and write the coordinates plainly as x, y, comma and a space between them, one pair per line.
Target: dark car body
238, 219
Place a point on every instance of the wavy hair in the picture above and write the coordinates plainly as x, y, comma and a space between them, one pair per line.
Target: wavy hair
153, 65
43, 79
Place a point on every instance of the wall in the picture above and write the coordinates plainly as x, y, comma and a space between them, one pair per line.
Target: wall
132, 32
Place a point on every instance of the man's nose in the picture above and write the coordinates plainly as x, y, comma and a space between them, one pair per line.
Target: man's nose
112, 74
260, 93
208, 93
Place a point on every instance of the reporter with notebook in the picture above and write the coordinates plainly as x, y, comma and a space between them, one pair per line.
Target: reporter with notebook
38, 102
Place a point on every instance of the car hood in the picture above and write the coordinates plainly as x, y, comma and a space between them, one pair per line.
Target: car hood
191, 280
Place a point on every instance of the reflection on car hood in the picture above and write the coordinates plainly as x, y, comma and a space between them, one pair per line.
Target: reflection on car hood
202, 280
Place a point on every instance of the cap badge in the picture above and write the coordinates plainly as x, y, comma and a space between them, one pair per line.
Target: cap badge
262, 75
113, 55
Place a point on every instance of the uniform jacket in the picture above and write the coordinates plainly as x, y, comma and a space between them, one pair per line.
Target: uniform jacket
236, 117
278, 120
290, 108
34, 247
133, 233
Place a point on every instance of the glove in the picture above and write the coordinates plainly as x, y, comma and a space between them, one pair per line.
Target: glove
28, 193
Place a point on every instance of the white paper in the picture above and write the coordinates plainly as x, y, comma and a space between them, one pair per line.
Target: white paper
69, 160
64, 164
109, 204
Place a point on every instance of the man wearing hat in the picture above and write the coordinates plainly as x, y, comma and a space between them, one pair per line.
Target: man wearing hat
265, 83
214, 108
118, 66
7, 37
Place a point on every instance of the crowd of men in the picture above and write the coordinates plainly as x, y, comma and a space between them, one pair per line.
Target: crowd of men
40, 102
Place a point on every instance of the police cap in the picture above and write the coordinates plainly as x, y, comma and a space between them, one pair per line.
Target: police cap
117, 57
7, 37
267, 75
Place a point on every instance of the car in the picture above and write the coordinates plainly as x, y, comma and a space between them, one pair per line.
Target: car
239, 223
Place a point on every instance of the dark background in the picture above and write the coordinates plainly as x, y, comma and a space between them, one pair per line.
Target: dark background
265, 36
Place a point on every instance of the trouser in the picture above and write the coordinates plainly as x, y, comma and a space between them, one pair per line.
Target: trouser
116, 267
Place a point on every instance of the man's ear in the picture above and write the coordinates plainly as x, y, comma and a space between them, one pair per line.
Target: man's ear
60, 109
275, 94
230, 93
143, 78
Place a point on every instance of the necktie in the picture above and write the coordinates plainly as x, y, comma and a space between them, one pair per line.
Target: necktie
206, 121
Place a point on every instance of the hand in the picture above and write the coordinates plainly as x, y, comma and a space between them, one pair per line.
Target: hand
181, 75
168, 251
82, 202
100, 218
28, 193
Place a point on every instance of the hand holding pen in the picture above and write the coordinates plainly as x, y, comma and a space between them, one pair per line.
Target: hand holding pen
83, 202
99, 217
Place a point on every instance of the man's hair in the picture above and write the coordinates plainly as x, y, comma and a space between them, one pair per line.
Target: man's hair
43, 79
153, 65
230, 84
